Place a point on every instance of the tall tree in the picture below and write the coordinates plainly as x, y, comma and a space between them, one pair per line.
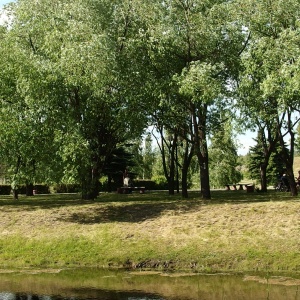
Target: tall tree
193, 48
272, 70
223, 155
148, 157
27, 147
77, 81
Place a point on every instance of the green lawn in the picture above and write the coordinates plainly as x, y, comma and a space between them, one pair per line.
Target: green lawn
234, 231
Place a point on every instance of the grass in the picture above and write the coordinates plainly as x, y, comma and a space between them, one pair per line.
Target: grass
235, 231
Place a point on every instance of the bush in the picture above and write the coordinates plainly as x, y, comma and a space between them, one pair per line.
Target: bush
5, 189
66, 188
22, 189
157, 183
160, 182
41, 189
103, 182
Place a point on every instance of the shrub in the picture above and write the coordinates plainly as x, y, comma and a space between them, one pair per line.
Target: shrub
5, 189
22, 189
41, 189
66, 188
160, 182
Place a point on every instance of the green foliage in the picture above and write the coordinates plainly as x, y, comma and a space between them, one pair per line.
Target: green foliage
65, 188
200, 82
148, 158
275, 166
144, 157
223, 161
269, 77
160, 181
80, 78
121, 158
63, 90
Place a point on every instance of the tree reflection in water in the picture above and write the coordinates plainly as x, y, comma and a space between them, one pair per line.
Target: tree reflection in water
98, 284
103, 295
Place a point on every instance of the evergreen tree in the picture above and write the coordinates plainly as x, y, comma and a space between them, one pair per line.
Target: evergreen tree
223, 161
117, 162
148, 158
256, 157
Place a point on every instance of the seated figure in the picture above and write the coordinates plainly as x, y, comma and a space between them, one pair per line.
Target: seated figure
126, 181
285, 181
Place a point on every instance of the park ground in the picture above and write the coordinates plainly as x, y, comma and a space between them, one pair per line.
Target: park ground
234, 231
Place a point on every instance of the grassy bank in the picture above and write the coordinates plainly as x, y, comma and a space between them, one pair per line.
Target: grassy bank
234, 231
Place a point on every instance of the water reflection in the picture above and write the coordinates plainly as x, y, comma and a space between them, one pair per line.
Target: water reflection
103, 296
117, 285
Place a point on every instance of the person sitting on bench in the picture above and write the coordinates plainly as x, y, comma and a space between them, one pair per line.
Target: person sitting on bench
285, 181
127, 181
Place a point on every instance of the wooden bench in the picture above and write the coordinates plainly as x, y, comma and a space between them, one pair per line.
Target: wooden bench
130, 189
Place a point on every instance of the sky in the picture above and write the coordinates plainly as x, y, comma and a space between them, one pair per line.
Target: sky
3, 17
244, 140
2, 2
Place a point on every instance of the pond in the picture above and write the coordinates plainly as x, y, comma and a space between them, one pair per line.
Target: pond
127, 285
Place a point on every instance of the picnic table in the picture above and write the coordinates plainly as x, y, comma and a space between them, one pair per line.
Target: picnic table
130, 189
249, 187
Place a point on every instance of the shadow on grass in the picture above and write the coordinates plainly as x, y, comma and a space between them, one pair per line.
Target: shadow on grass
221, 196
135, 207
132, 213
138, 208
41, 201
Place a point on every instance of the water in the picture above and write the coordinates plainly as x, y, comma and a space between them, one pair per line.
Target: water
121, 285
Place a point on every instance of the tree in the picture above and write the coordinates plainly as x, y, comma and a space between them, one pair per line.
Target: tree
148, 158
76, 81
193, 49
121, 159
257, 158
271, 62
26, 132
223, 161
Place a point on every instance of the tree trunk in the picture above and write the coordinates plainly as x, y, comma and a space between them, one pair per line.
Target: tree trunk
15, 193
188, 155
263, 177
288, 156
199, 124
171, 182
172, 164
90, 185
184, 186
269, 142
292, 182
204, 177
